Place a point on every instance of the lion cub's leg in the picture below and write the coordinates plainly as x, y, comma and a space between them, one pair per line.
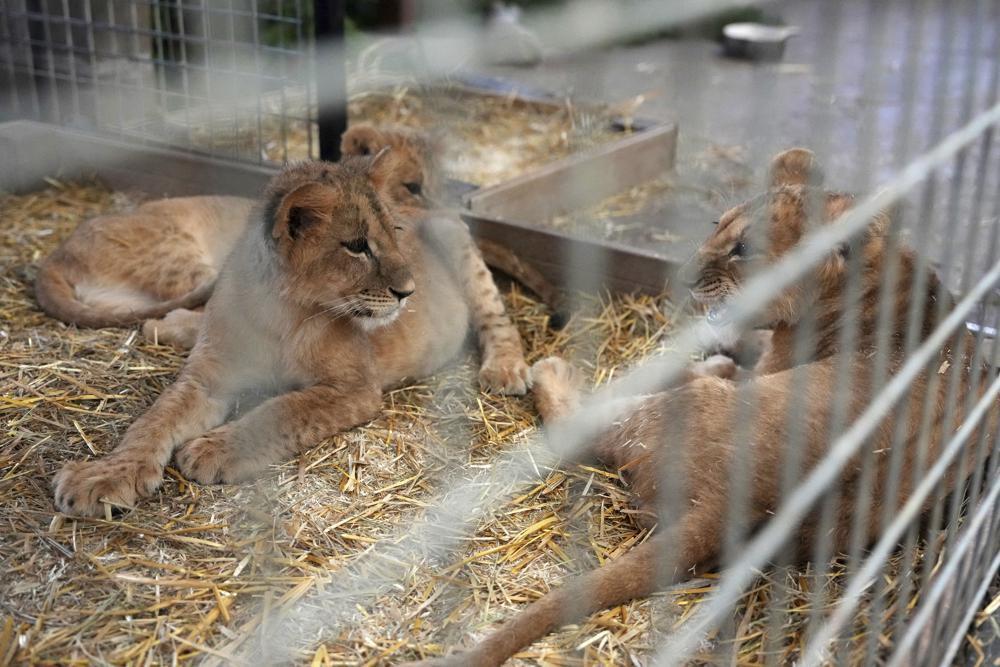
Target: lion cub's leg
503, 368
179, 328
275, 430
135, 468
557, 384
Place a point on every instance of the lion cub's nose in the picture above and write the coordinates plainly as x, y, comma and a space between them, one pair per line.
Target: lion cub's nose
407, 288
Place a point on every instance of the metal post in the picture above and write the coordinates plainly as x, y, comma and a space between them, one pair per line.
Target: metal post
331, 77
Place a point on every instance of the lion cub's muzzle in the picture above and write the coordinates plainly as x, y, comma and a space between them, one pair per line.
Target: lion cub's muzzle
709, 287
383, 306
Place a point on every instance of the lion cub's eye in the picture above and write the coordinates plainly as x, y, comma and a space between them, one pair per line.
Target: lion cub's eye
357, 247
739, 250
414, 188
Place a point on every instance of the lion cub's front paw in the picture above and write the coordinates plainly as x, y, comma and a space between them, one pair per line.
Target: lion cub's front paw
556, 386
208, 459
82, 487
179, 328
718, 365
508, 374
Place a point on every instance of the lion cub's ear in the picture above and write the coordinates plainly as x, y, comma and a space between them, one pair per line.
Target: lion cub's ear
796, 166
382, 170
362, 139
302, 208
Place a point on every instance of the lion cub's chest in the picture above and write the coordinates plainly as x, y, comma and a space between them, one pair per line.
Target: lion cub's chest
431, 330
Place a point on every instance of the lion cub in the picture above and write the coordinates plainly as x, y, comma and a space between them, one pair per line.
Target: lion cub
326, 299
690, 429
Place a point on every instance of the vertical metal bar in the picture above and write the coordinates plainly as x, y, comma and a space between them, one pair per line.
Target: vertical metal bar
259, 83
958, 493
95, 82
307, 57
860, 531
673, 501
982, 169
898, 446
331, 78
185, 66
117, 55
34, 76
71, 58
992, 93
930, 557
966, 585
8, 44
210, 106
948, 29
850, 326
739, 470
136, 49
234, 102
160, 63
53, 81
914, 37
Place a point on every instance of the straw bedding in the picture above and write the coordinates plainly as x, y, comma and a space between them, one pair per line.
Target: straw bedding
193, 572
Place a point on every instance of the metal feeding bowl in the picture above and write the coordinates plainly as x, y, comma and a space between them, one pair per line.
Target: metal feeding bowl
756, 41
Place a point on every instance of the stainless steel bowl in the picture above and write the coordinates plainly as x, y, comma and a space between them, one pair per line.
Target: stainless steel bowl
756, 41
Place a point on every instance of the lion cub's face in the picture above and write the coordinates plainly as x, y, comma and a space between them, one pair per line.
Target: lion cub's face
755, 234
414, 156
339, 244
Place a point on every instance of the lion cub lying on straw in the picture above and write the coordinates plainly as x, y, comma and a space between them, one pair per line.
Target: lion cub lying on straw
327, 298
687, 433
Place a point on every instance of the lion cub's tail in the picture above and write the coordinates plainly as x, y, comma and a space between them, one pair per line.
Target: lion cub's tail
634, 574
58, 297
503, 259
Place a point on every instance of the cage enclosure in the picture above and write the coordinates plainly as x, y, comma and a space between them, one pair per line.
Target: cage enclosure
454, 511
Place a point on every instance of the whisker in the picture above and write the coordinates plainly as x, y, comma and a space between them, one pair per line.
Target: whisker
337, 308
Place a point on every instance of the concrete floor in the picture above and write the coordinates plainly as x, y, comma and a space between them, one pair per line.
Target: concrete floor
733, 115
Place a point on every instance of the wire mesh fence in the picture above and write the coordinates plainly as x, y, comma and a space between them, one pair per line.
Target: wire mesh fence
228, 79
836, 501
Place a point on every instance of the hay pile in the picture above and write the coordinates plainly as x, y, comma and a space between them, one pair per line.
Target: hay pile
194, 571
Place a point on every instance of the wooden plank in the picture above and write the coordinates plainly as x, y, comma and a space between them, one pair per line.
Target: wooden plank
580, 180
577, 264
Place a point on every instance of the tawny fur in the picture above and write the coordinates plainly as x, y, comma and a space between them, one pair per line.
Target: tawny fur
686, 436
168, 253
116, 270
421, 183
311, 319
503, 367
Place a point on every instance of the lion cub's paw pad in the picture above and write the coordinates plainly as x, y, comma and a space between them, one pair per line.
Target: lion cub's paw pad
509, 376
81, 487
